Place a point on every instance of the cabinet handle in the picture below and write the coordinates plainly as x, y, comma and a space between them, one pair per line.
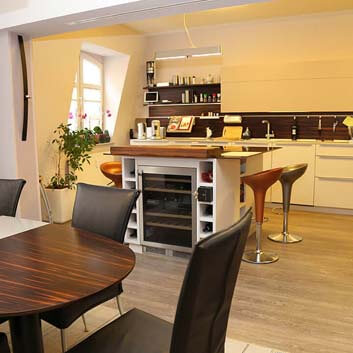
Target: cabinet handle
333, 156
293, 144
196, 195
348, 179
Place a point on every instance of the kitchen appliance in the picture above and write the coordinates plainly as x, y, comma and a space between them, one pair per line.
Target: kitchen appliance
232, 132
149, 132
168, 212
156, 134
294, 129
150, 73
141, 131
246, 134
232, 119
163, 132
151, 97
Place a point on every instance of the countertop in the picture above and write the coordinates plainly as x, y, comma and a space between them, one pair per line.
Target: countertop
187, 151
220, 141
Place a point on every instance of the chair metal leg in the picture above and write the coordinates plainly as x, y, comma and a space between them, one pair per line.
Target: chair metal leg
120, 307
63, 340
285, 237
258, 256
84, 322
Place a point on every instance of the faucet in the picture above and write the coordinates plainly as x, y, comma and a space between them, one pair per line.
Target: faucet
268, 134
209, 132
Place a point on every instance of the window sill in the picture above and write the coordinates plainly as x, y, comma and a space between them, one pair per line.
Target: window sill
104, 144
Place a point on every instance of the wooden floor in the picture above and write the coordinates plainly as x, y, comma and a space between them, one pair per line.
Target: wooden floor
302, 303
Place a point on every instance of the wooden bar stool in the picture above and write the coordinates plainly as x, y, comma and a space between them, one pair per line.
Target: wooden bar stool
289, 175
112, 170
259, 183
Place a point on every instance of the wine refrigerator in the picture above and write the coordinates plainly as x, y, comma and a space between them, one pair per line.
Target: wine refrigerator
168, 212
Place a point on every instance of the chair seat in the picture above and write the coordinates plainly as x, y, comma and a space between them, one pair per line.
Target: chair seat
134, 332
4, 346
63, 317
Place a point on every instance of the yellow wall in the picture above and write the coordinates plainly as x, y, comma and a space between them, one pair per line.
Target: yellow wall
55, 63
254, 47
252, 50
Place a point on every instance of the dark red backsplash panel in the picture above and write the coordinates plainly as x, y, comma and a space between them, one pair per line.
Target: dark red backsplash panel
280, 123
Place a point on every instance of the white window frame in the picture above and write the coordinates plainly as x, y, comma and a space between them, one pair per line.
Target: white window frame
80, 86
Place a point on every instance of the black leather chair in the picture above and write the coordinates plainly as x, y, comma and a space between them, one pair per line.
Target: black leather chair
4, 346
105, 211
202, 314
10, 192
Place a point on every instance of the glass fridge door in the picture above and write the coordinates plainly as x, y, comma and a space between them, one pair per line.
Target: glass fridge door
169, 205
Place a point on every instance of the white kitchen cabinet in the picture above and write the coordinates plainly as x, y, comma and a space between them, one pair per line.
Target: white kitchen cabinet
266, 159
334, 176
334, 192
294, 153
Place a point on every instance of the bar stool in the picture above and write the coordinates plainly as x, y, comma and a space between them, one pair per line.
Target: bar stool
259, 183
289, 175
112, 170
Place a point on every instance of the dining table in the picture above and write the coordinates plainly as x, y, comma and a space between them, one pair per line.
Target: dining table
46, 266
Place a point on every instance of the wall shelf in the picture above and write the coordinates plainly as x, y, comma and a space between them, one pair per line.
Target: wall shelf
178, 104
198, 85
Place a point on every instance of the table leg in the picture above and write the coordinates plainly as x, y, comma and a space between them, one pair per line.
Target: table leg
26, 334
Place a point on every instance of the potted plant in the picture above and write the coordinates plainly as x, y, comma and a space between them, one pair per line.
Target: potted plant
73, 149
100, 136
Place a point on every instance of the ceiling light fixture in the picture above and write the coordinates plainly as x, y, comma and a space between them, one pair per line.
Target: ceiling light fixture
193, 51
187, 53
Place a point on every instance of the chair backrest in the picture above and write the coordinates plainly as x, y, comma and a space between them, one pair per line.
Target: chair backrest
103, 210
202, 314
10, 192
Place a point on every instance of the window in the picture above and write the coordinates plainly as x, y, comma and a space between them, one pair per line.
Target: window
86, 109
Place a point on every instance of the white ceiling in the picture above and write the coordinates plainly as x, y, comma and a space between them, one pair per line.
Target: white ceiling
37, 19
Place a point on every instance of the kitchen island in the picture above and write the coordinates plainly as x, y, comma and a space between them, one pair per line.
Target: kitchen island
187, 192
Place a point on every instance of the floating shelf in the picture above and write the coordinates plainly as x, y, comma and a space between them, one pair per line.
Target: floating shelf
130, 179
206, 184
185, 86
208, 219
179, 104
132, 225
204, 235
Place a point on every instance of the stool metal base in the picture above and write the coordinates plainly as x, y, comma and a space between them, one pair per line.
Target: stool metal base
285, 238
260, 257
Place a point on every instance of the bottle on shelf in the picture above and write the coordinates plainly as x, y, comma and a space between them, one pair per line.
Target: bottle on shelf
294, 129
208, 227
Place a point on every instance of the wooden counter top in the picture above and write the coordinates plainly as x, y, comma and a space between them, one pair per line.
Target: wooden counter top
184, 151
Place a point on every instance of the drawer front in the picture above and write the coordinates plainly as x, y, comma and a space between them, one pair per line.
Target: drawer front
334, 167
334, 192
346, 150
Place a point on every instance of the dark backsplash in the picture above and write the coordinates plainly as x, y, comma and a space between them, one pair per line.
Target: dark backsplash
280, 123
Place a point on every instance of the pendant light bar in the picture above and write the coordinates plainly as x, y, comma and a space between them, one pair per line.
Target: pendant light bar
187, 53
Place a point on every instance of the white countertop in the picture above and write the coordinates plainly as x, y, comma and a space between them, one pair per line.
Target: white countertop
215, 141
14, 225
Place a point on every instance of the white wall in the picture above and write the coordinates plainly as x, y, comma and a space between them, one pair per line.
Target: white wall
18, 159
8, 155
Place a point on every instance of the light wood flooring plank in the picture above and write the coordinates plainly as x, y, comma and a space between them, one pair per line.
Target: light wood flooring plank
302, 303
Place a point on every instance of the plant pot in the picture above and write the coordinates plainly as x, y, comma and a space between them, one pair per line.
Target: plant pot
61, 202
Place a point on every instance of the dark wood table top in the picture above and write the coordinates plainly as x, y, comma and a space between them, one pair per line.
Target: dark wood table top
54, 265
187, 151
